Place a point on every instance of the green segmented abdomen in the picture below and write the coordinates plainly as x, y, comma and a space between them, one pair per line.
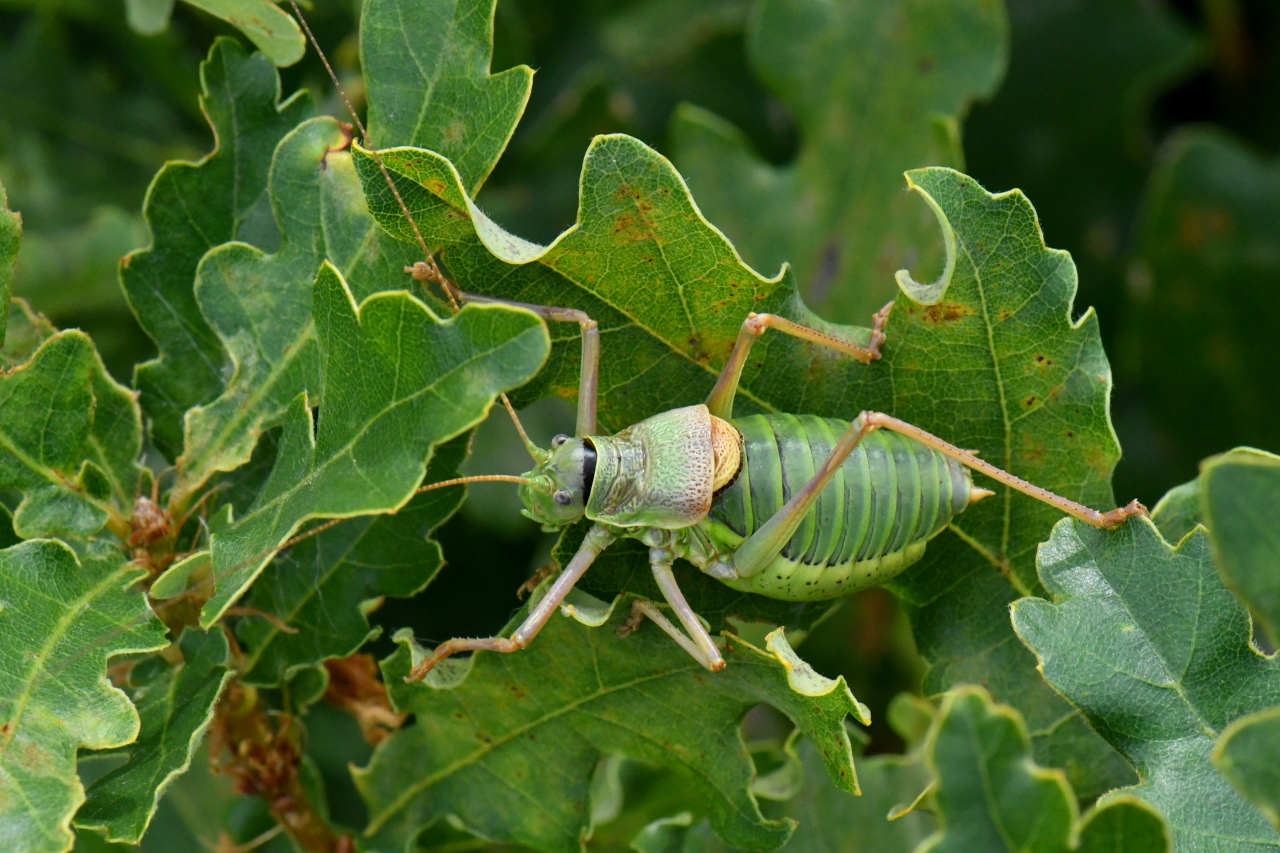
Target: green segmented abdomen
872, 520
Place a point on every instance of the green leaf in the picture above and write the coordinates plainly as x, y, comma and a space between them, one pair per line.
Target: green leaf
876, 88
1026, 385
1248, 754
1241, 494
667, 289
175, 705
272, 30
62, 619
1204, 317
497, 718
612, 264
395, 381
28, 329
1154, 650
322, 587
10, 239
1123, 824
1179, 511
259, 304
427, 71
192, 207
991, 796
70, 437
830, 820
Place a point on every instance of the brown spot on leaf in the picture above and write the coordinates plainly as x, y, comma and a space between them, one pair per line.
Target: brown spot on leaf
1030, 401
1034, 453
945, 312
1098, 461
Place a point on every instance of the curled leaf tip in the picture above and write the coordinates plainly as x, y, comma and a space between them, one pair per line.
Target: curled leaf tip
804, 679
931, 293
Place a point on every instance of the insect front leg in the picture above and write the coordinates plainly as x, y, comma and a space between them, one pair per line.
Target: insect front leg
588, 380
720, 402
598, 538
697, 642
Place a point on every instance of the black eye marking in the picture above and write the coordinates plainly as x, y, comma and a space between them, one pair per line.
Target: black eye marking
559, 440
562, 497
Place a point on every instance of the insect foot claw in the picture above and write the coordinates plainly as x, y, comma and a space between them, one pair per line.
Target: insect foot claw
626, 629
420, 671
1119, 515
532, 583
878, 321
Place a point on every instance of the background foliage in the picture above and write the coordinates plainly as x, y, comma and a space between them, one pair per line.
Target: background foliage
183, 676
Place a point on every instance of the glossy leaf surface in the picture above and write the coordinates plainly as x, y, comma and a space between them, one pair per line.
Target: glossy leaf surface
1152, 647
990, 794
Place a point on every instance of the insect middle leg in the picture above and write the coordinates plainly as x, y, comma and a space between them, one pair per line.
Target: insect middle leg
720, 402
588, 380
598, 538
697, 642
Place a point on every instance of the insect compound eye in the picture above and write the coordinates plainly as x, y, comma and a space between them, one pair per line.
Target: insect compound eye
559, 440
562, 497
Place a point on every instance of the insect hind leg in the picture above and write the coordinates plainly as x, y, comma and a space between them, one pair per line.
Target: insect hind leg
720, 401
1109, 519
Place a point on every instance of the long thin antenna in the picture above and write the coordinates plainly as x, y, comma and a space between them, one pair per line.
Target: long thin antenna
433, 269
479, 478
536, 452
